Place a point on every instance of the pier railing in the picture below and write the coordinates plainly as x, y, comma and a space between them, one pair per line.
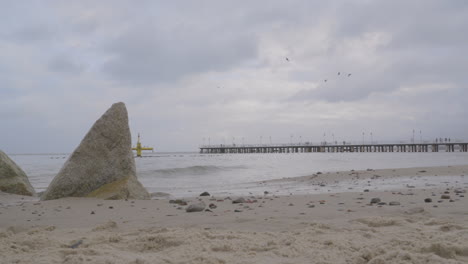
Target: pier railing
394, 146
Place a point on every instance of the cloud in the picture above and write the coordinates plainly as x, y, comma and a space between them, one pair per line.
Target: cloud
149, 54
213, 69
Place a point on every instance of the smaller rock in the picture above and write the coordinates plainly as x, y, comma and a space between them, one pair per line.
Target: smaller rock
205, 194
394, 203
311, 206
375, 200
382, 203
92, 212
445, 196
366, 190
428, 200
238, 200
196, 207
178, 201
238, 211
212, 206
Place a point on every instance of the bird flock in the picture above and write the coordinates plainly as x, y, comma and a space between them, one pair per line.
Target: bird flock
326, 80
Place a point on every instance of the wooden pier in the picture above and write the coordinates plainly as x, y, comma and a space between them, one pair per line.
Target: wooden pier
308, 148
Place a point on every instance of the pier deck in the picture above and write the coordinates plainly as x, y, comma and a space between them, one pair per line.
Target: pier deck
301, 148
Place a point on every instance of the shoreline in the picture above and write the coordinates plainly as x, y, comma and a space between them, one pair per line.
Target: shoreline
342, 227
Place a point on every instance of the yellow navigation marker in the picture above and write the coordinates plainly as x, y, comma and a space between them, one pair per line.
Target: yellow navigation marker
139, 148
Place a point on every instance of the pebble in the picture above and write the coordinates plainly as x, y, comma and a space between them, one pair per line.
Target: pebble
238, 211
375, 200
196, 207
428, 200
238, 200
212, 206
92, 212
205, 194
366, 190
394, 203
178, 201
445, 196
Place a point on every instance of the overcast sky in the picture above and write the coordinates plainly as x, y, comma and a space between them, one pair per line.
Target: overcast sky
193, 72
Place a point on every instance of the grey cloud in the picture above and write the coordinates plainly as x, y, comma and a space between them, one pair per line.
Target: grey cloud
66, 65
426, 45
147, 54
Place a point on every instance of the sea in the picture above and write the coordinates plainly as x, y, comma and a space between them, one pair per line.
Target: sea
187, 174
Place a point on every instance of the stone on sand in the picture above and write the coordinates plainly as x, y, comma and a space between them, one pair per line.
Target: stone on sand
12, 177
102, 166
196, 207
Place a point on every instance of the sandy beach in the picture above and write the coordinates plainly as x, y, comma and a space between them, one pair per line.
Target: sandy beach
400, 226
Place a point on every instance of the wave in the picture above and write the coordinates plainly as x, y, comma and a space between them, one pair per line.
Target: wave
192, 170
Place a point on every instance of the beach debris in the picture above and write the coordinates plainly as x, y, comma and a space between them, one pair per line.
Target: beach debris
76, 244
238, 200
205, 194
196, 207
102, 166
375, 200
394, 203
445, 196
12, 178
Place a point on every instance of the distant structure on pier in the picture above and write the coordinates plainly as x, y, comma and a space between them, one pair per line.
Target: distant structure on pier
139, 148
307, 147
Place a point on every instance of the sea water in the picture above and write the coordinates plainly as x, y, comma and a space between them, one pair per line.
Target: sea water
189, 174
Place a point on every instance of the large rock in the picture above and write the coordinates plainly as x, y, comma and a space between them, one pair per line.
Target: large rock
103, 165
12, 178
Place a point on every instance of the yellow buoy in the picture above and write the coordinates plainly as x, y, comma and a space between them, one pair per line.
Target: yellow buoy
139, 148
